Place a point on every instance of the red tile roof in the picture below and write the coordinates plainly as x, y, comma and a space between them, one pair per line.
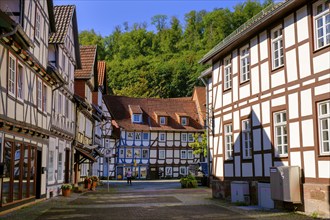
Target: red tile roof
200, 96
63, 17
88, 56
101, 68
135, 109
118, 106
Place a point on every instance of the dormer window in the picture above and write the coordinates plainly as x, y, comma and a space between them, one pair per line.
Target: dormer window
182, 118
161, 117
137, 118
184, 121
162, 120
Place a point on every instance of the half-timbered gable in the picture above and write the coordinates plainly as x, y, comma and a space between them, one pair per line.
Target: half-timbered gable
26, 86
148, 145
268, 95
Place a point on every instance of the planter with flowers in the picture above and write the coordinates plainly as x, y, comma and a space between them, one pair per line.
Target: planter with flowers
95, 180
87, 182
66, 189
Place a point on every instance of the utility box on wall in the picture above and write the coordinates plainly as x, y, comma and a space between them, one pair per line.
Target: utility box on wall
240, 192
285, 183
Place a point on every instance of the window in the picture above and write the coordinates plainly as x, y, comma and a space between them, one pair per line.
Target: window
12, 75
322, 23
162, 120
168, 171
229, 141
137, 153
190, 137
324, 127
59, 104
38, 25
281, 137
227, 77
161, 154
245, 64
121, 153
51, 166
183, 154
60, 166
39, 93
67, 108
145, 154
183, 171
130, 135
277, 47
137, 118
137, 136
184, 137
246, 139
184, 121
162, 137
44, 98
129, 153
190, 154
145, 136
20, 82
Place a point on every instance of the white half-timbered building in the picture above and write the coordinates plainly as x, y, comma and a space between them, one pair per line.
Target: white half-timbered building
64, 58
269, 103
26, 85
152, 135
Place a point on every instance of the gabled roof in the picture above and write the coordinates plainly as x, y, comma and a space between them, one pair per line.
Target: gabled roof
135, 109
101, 68
88, 58
118, 107
200, 95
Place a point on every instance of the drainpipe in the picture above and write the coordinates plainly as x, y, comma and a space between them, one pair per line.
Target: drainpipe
208, 129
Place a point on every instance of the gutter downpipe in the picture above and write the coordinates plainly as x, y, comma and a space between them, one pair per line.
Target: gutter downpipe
208, 129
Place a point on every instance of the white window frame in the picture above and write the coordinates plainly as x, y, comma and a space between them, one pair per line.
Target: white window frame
130, 135
183, 155
190, 154
39, 93
137, 136
147, 154
321, 16
121, 153
324, 127
129, 153
162, 120
183, 171
228, 131
168, 171
277, 41
246, 139
143, 136
184, 137
281, 149
184, 121
20, 81
12, 75
161, 154
137, 118
60, 103
227, 72
162, 137
191, 137
37, 29
51, 160
245, 63
44, 97
60, 167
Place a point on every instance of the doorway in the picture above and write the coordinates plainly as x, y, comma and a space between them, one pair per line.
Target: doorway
39, 172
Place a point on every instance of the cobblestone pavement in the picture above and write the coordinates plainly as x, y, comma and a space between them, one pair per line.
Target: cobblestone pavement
143, 200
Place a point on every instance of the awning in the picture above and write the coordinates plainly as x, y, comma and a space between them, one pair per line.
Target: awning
86, 155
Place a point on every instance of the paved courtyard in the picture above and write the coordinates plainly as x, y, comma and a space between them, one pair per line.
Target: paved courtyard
143, 200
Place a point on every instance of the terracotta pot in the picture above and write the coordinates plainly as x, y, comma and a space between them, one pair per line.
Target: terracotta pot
94, 184
66, 192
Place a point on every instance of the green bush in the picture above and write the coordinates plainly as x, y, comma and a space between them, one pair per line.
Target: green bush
66, 186
188, 182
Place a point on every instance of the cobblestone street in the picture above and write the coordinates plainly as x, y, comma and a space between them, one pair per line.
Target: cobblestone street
143, 200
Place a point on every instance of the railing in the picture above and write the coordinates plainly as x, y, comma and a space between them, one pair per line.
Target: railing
266, 11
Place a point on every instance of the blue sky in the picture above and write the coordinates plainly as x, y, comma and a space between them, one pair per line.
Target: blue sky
104, 15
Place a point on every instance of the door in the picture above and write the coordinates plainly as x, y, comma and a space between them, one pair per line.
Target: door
67, 166
38, 173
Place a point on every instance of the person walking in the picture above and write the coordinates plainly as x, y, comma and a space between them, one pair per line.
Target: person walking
129, 176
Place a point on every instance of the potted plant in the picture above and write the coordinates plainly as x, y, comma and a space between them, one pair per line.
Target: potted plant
95, 180
66, 189
88, 182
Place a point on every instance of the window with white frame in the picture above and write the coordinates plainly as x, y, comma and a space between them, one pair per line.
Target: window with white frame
39, 93
227, 76
245, 64
246, 139
145, 136
277, 47
183, 154
44, 98
145, 153
184, 137
281, 135
66, 107
183, 171
162, 137
20, 81
168, 171
130, 135
59, 103
190, 137
324, 127
60, 167
137, 136
129, 153
12, 75
161, 154
51, 166
121, 153
184, 121
162, 120
137, 118
229, 141
190, 154
37, 25
322, 23
89, 128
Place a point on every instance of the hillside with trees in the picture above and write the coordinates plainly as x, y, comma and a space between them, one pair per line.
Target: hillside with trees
164, 63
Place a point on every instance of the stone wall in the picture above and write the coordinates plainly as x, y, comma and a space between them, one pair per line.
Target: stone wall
317, 199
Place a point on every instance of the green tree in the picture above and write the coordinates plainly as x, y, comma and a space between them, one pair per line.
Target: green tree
199, 145
91, 38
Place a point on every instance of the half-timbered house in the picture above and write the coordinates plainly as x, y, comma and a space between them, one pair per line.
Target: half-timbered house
269, 103
152, 135
64, 58
26, 84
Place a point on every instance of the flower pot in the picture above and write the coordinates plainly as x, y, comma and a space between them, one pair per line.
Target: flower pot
94, 184
66, 192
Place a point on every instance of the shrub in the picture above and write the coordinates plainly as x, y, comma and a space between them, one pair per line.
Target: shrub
188, 182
